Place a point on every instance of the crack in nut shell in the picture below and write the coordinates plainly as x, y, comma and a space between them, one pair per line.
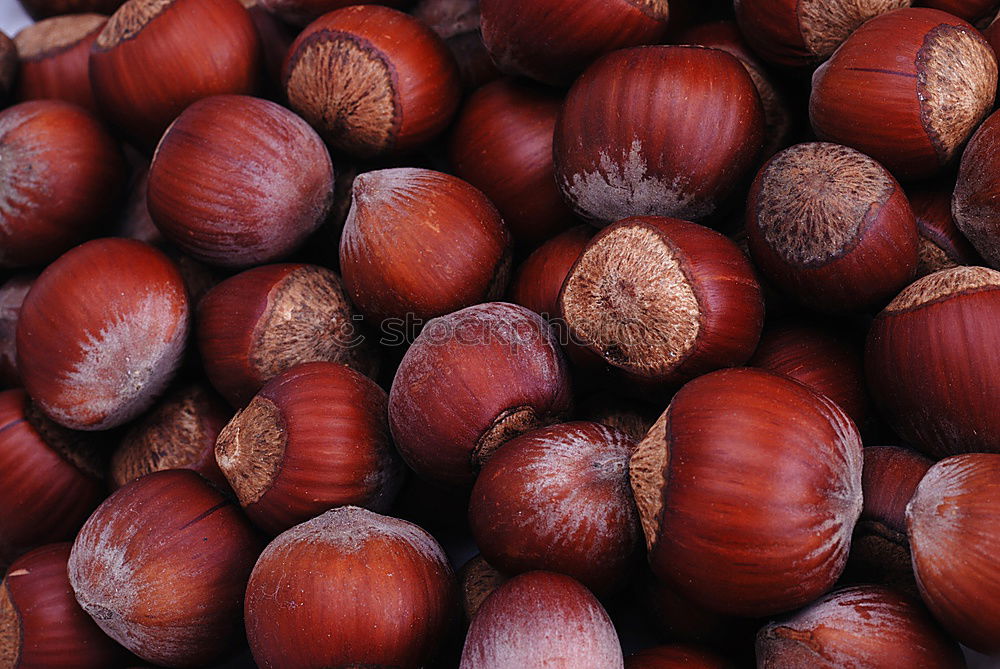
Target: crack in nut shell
129, 21
347, 90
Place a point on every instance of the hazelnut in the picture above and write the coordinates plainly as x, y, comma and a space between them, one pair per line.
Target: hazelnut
161, 567
748, 487
538, 280
880, 552
264, 321
907, 88
102, 332
239, 181
541, 619
54, 55
799, 33
818, 358
558, 499
419, 244
830, 227
868, 626
46, 147
680, 153
502, 143
50, 478
951, 524
942, 244
41, 624
973, 201
931, 362
372, 80
657, 301
153, 58
350, 588
313, 438
512, 375
178, 433
12, 294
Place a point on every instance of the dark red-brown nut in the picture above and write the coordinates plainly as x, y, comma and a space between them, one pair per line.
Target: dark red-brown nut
933, 358
50, 478
276, 37
156, 57
800, 33
658, 301
830, 227
819, 359
49, 147
471, 381
41, 625
457, 22
239, 181
865, 626
538, 280
880, 552
54, 59
419, 244
748, 487
951, 524
350, 588
179, 433
477, 580
974, 202
502, 144
162, 566
264, 321
8, 66
12, 294
372, 80
726, 35
907, 88
558, 499
541, 619
679, 153
301, 12
675, 657
313, 438
942, 244
41, 9
552, 41
102, 332
972, 11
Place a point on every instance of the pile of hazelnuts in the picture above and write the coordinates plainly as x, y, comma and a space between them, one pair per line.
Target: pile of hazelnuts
500, 334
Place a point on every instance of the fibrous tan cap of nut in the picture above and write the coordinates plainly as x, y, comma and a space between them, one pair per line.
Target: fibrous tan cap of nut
942, 285
647, 473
